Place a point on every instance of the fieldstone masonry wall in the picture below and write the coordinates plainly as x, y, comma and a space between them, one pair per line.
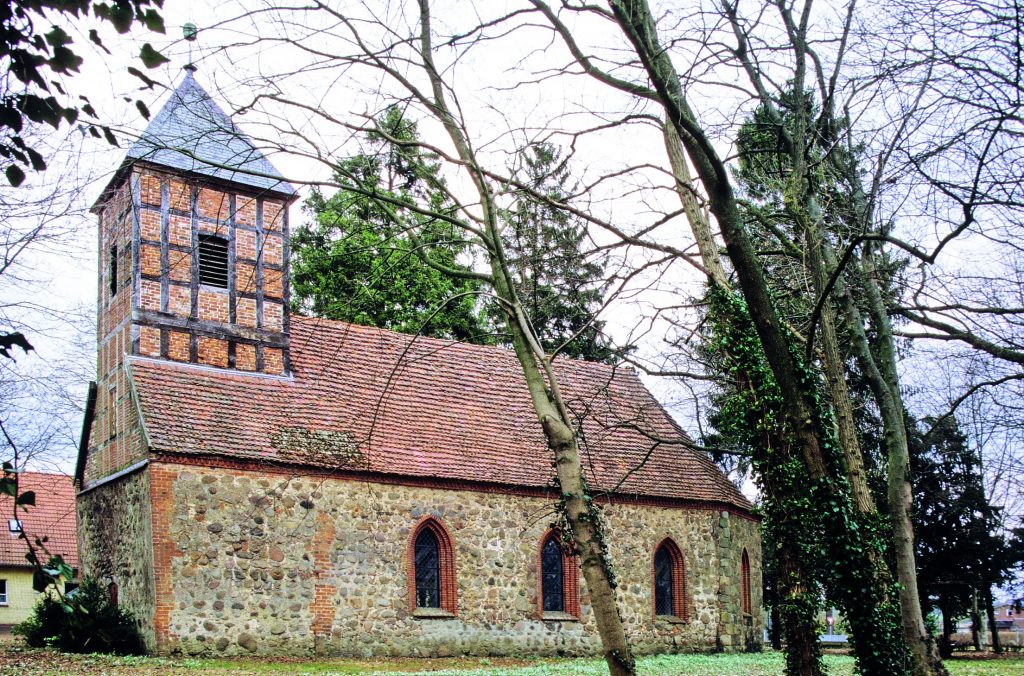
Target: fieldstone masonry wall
115, 544
271, 564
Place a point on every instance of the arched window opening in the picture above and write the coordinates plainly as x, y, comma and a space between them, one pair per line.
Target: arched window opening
428, 570
559, 577
432, 582
669, 581
552, 577
663, 592
745, 603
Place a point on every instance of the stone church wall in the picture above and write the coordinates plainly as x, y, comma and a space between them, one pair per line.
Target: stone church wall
263, 562
115, 544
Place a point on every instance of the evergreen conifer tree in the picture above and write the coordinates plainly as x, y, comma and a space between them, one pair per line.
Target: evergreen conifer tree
359, 261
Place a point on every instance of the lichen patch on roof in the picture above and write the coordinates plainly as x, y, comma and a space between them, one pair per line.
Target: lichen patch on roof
377, 401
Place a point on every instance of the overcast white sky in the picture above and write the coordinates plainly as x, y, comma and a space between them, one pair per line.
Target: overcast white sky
65, 275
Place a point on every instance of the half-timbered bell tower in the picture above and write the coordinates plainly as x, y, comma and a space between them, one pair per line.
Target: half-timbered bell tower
193, 251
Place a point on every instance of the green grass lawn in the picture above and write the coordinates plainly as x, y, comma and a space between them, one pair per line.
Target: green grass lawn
30, 662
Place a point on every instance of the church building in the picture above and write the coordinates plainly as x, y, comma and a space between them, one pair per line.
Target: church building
254, 481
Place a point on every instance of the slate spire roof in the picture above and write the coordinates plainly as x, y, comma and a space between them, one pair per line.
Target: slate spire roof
191, 133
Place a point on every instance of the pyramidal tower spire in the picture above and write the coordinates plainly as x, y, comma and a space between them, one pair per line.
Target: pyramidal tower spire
193, 251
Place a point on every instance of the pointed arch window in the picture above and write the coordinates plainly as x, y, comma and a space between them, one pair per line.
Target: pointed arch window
746, 607
559, 578
427, 552
669, 581
432, 583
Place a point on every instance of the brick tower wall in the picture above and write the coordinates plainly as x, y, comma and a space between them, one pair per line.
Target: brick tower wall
241, 327
150, 301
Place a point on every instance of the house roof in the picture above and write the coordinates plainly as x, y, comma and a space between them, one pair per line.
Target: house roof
367, 400
52, 516
191, 133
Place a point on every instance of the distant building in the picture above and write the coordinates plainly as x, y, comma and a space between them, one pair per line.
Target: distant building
52, 516
1010, 616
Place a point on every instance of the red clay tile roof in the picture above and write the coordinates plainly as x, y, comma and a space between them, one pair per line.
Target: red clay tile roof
372, 400
52, 516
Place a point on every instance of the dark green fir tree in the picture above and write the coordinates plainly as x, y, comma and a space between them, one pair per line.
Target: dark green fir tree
561, 286
365, 256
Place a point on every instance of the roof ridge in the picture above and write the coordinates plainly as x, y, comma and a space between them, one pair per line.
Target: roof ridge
448, 342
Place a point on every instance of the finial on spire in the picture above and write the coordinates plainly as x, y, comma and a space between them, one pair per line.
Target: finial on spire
189, 31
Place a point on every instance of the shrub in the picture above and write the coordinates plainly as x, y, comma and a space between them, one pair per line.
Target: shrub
82, 622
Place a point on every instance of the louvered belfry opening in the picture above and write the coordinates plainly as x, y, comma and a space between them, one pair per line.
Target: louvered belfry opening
213, 261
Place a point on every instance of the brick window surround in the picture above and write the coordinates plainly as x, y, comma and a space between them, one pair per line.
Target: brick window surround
570, 577
745, 604
449, 582
680, 607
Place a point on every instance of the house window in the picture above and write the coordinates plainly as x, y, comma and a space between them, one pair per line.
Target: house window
113, 271
14, 525
432, 584
213, 261
559, 578
3, 592
669, 580
745, 603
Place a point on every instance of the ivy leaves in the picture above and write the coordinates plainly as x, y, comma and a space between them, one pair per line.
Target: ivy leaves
36, 52
814, 518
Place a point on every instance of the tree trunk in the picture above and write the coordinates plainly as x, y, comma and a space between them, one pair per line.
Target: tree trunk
582, 517
975, 621
927, 661
990, 612
879, 649
775, 632
945, 642
699, 225
833, 363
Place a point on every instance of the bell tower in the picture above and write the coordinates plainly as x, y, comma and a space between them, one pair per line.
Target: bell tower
193, 251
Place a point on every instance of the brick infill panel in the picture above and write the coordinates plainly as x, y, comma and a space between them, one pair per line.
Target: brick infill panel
323, 601
161, 480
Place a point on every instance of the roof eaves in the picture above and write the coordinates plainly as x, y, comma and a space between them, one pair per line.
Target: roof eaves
83, 443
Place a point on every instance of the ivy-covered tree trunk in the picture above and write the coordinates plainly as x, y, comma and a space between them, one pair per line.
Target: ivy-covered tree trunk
791, 528
852, 543
795, 599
